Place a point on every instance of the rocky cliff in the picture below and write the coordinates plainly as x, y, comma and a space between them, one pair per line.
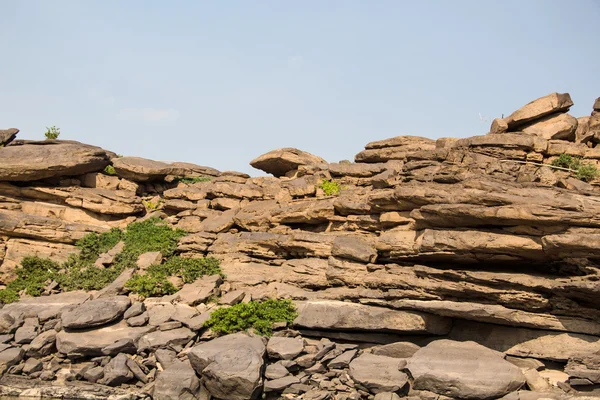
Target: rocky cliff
426, 269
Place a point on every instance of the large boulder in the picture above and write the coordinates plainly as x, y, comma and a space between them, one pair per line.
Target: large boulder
40, 160
7, 136
230, 366
281, 161
379, 373
464, 370
340, 315
178, 382
95, 312
139, 169
46, 307
597, 104
555, 126
550, 104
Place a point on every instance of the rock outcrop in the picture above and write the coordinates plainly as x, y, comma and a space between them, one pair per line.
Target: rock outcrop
432, 269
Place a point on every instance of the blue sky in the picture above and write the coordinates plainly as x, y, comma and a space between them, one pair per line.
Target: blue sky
218, 83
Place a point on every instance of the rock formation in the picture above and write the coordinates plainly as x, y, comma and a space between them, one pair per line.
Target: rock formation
428, 269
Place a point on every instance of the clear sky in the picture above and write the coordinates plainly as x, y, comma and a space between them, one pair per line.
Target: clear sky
218, 83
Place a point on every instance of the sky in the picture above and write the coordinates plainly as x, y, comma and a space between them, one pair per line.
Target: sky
218, 83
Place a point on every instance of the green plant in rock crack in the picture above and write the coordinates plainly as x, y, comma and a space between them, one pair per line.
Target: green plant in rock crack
259, 316
583, 171
52, 132
330, 187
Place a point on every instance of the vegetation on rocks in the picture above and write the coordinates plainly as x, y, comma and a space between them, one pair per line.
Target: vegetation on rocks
110, 170
259, 316
52, 132
330, 187
583, 171
152, 205
190, 180
79, 271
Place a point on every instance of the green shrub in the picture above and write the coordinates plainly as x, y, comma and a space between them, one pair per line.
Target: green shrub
149, 204
94, 244
584, 171
330, 187
52, 132
110, 170
194, 179
33, 275
257, 315
150, 285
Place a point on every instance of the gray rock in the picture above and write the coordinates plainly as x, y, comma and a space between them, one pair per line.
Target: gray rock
160, 313
278, 385
281, 161
198, 291
139, 320
43, 344
158, 339
230, 365
91, 342
95, 312
378, 373
116, 371
10, 357
397, 350
167, 326
93, 374
135, 368
32, 365
117, 287
45, 307
165, 357
463, 369
125, 345
284, 348
135, 310
28, 331
526, 363
386, 396
178, 382
8, 323
343, 360
354, 248
276, 371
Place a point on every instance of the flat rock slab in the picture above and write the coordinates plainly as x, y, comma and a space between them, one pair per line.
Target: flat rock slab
158, 339
91, 342
464, 370
281, 161
95, 312
231, 366
139, 169
285, 348
178, 381
46, 307
340, 315
378, 373
40, 160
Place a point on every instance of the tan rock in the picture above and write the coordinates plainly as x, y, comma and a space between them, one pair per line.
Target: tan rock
100, 181
142, 170
397, 148
581, 134
339, 315
7, 136
538, 108
39, 160
499, 125
281, 161
554, 126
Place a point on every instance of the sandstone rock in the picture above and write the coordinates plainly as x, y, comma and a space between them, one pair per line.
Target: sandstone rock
397, 350
554, 126
160, 312
198, 291
142, 170
95, 312
281, 161
464, 370
538, 108
397, 148
147, 259
232, 298
46, 307
9, 357
178, 381
386, 396
116, 287
28, 331
339, 315
32, 365
585, 367
40, 160
354, 248
284, 348
7, 136
378, 373
230, 365
276, 371
278, 385
76, 344
499, 125
43, 344
581, 134
134, 310
116, 371
342, 361
158, 339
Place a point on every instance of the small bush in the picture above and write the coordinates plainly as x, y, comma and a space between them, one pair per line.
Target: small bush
330, 187
151, 205
584, 171
257, 315
33, 275
52, 132
109, 170
150, 285
194, 179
